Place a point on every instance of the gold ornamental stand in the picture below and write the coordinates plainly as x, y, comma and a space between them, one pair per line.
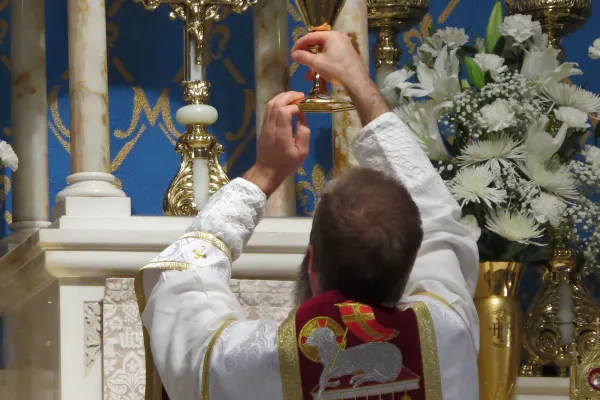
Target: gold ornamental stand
389, 18
187, 192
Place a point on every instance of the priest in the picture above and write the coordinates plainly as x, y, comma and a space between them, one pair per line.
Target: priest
386, 285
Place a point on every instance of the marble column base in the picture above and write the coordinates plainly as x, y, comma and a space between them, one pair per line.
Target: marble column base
91, 194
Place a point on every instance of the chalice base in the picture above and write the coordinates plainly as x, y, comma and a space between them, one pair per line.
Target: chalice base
324, 104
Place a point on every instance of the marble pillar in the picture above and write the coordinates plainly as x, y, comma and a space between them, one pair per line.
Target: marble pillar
29, 116
383, 71
353, 22
271, 66
88, 82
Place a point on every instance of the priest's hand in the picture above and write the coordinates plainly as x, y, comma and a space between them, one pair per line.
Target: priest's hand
338, 62
279, 152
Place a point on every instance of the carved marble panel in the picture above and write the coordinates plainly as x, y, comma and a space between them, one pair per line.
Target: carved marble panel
93, 330
124, 369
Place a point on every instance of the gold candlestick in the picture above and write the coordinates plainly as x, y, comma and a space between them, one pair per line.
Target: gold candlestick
389, 18
196, 143
559, 18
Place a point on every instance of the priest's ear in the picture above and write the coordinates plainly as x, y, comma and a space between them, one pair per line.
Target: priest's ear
313, 276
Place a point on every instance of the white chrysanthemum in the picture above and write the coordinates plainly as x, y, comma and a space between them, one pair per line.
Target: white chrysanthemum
594, 51
573, 117
492, 63
470, 222
520, 27
592, 154
497, 116
573, 96
553, 177
472, 185
493, 153
453, 37
548, 209
516, 227
8, 156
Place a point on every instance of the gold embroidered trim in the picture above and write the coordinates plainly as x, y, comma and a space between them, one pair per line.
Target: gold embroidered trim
141, 300
206, 363
429, 353
212, 239
289, 361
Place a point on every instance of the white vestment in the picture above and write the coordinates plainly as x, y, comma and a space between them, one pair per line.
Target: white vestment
188, 298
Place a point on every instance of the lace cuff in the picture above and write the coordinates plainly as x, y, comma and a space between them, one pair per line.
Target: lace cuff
231, 214
387, 144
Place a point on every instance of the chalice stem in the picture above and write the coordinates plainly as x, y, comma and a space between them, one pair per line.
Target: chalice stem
319, 86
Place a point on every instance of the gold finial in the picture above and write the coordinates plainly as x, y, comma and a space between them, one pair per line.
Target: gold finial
196, 92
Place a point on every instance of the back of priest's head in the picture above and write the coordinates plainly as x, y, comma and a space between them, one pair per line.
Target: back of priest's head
365, 237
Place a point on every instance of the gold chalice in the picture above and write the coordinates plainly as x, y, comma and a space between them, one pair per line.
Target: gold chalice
319, 15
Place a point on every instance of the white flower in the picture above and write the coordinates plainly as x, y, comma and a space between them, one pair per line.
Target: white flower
551, 176
592, 154
548, 209
573, 117
470, 222
521, 228
594, 51
394, 84
541, 143
497, 116
433, 45
440, 83
520, 27
453, 37
422, 119
493, 153
479, 44
8, 156
573, 96
472, 185
544, 66
492, 63
539, 42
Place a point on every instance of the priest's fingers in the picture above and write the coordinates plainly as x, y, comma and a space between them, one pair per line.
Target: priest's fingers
302, 136
310, 40
284, 99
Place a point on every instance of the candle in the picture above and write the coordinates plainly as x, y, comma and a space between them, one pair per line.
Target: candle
200, 182
566, 314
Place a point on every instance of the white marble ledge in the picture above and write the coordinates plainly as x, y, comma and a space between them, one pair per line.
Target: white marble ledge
542, 389
99, 248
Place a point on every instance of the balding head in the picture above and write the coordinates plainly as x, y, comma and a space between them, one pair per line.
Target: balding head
365, 237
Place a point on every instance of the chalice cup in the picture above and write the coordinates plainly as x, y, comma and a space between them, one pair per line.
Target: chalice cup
320, 15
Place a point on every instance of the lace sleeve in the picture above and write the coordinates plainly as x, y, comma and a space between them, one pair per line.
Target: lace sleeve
386, 144
232, 213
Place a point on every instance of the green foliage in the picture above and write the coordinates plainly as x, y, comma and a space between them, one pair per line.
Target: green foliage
493, 29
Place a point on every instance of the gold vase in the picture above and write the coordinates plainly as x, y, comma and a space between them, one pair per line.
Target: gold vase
501, 328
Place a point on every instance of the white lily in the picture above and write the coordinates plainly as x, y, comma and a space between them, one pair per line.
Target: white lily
439, 83
541, 143
394, 84
422, 119
544, 66
433, 45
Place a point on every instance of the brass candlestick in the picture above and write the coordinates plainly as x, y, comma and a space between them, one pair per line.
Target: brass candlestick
196, 143
389, 18
559, 18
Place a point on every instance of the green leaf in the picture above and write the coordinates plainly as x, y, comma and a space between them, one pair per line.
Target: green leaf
493, 32
475, 73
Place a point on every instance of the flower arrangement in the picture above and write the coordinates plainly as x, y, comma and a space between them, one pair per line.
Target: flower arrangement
508, 138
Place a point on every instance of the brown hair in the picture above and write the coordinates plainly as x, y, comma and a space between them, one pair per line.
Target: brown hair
366, 234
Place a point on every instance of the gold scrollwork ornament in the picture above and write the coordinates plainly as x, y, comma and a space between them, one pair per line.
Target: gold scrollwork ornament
196, 13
